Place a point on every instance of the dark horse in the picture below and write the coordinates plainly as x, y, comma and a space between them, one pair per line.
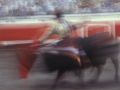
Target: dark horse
96, 53
97, 47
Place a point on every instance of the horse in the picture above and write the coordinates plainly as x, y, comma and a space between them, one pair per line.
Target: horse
98, 48
62, 62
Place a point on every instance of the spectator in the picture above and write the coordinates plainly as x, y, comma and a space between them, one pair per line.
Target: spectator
117, 7
0, 4
38, 7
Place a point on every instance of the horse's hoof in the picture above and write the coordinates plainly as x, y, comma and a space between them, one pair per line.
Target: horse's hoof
79, 87
83, 85
52, 86
63, 82
117, 78
94, 81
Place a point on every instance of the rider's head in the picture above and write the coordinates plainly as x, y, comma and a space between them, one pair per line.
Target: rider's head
58, 14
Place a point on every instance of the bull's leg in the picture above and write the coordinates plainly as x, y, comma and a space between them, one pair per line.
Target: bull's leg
99, 71
116, 65
60, 73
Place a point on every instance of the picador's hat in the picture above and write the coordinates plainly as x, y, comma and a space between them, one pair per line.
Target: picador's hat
58, 14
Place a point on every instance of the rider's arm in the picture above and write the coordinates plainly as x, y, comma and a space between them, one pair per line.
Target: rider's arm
47, 34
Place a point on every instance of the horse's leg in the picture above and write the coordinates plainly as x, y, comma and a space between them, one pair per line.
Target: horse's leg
59, 74
80, 74
116, 65
99, 71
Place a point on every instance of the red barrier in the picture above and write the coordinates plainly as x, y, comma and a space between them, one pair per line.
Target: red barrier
117, 28
20, 32
11, 32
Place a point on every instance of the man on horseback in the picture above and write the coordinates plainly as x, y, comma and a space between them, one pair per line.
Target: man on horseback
63, 30
65, 46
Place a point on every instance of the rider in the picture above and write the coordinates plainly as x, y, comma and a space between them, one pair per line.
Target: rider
63, 30
61, 27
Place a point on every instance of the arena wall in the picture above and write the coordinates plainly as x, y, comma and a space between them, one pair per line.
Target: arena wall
17, 29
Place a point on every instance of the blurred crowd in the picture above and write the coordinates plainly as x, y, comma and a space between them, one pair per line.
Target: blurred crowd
46, 7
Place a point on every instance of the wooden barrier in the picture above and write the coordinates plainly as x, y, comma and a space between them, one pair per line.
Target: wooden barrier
117, 28
11, 32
